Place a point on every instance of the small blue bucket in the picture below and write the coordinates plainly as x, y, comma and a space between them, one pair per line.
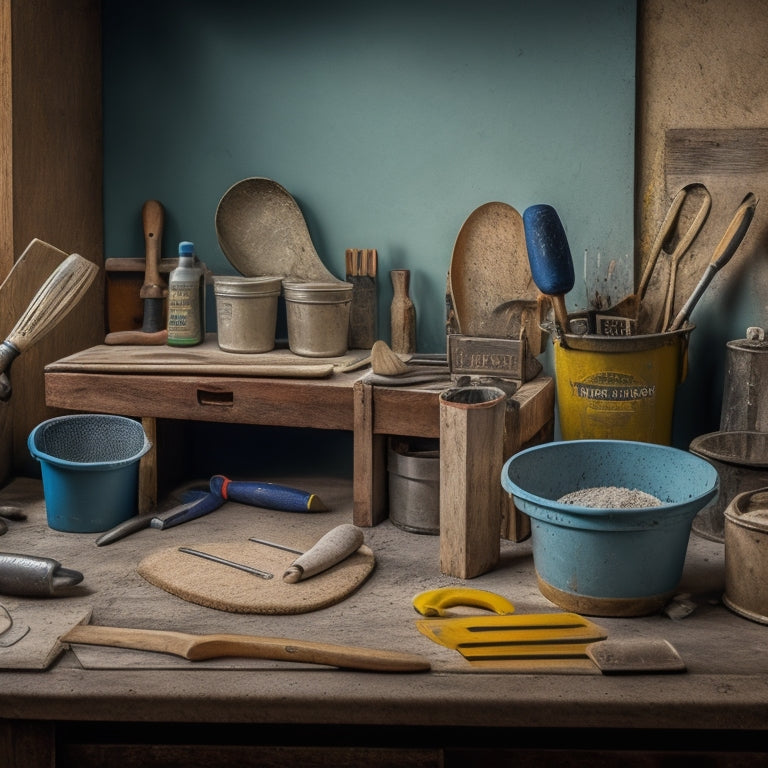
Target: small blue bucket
609, 562
90, 469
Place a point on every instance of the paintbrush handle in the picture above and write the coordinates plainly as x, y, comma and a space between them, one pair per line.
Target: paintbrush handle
200, 647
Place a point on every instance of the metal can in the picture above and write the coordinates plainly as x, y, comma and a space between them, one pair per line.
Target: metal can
317, 315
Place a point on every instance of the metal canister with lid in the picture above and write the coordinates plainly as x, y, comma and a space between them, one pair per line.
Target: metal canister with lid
745, 396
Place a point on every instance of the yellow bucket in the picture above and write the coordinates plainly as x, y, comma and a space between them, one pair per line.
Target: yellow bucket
620, 387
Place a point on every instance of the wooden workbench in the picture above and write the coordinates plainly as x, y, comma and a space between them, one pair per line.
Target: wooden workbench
204, 384
162, 711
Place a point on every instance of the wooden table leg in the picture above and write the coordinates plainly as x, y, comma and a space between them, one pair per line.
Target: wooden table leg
147, 499
529, 421
370, 462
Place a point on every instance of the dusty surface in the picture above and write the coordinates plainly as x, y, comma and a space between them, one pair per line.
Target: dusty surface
726, 683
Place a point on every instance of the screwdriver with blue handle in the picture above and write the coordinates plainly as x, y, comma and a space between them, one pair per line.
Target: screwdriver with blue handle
269, 495
222, 489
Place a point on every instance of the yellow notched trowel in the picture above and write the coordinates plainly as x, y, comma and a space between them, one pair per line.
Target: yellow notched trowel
526, 643
536, 643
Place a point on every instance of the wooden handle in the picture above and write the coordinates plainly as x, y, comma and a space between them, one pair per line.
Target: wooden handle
152, 217
337, 545
663, 235
402, 313
137, 338
561, 313
200, 647
727, 246
680, 250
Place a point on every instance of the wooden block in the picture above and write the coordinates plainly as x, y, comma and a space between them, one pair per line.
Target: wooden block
124, 309
476, 356
471, 442
363, 315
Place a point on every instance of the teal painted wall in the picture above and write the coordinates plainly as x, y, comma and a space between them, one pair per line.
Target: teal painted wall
388, 122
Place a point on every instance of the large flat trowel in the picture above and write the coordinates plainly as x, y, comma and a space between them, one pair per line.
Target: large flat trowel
548, 643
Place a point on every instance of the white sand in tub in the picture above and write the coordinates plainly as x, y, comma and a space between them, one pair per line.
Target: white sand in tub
610, 497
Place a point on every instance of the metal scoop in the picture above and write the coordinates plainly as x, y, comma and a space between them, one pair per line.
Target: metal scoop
262, 231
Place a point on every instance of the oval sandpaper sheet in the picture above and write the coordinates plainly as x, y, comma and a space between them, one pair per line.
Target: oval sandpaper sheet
226, 588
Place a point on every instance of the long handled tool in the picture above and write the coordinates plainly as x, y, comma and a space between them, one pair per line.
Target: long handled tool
725, 249
629, 306
57, 296
550, 258
153, 290
200, 647
679, 251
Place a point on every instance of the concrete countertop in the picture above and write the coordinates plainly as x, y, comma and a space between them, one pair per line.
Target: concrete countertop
724, 688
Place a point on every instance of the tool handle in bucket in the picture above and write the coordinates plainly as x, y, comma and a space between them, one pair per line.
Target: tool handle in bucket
725, 249
549, 256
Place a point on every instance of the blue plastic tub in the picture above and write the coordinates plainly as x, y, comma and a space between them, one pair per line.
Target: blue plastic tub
90, 469
609, 562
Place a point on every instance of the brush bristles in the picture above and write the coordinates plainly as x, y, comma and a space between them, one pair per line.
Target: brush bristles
57, 296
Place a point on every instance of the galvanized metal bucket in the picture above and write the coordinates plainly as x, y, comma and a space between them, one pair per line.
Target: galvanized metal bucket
246, 310
317, 315
745, 396
741, 460
746, 555
414, 485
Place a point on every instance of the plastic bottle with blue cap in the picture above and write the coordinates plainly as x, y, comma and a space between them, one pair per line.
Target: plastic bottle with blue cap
186, 300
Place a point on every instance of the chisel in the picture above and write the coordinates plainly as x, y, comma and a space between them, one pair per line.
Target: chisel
265, 495
202, 504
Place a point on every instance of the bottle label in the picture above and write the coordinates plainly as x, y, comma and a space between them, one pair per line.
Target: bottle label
184, 314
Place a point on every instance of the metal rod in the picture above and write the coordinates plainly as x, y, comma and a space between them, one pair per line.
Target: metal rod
276, 546
230, 563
